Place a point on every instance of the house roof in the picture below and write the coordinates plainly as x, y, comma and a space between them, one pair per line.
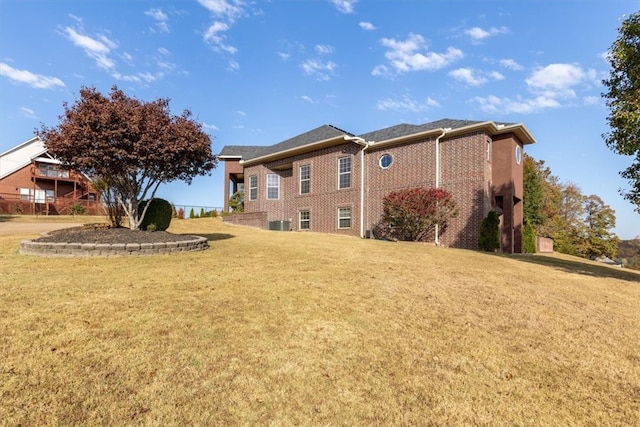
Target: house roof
325, 135
328, 135
20, 156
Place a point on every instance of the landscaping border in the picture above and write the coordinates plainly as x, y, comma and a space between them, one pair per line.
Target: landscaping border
30, 247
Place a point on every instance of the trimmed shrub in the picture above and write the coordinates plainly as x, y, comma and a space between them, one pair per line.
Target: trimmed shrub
202, 214
413, 213
528, 239
158, 214
192, 213
489, 239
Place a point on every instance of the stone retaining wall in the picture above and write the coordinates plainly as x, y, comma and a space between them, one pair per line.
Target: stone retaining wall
30, 247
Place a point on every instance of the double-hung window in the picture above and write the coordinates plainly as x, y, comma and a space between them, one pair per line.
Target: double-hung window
253, 187
344, 217
344, 172
305, 217
305, 179
273, 186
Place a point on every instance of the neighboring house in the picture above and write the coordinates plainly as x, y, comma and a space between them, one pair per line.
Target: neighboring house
330, 181
33, 182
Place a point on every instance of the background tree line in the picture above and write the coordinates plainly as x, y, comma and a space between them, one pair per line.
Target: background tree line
578, 224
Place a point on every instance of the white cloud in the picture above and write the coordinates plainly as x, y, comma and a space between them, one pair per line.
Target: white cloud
308, 99
495, 105
212, 35
161, 19
344, 6
468, 76
321, 70
478, 34
324, 49
511, 64
28, 112
559, 80
412, 55
367, 26
233, 65
551, 87
37, 81
284, 56
406, 104
139, 78
592, 100
225, 13
210, 127
229, 9
97, 49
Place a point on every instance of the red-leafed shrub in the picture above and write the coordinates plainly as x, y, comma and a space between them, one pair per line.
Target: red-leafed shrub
412, 214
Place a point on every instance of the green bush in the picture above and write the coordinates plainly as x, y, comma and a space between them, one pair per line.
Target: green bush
192, 213
489, 239
158, 214
528, 239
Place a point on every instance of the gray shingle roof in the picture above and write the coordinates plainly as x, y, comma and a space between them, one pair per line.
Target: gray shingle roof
243, 151
321, 133
326, 132
405, 129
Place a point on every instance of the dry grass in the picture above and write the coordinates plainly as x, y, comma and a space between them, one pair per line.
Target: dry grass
272, 328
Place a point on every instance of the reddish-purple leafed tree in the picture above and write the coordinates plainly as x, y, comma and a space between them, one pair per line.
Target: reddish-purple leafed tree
413, 213
134, 146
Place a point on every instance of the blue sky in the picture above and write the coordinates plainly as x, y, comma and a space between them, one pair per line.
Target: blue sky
259, 72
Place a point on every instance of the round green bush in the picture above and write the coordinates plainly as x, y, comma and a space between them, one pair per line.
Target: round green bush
158, 215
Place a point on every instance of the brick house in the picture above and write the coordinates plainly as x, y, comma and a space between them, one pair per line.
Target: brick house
330, 181
33, 182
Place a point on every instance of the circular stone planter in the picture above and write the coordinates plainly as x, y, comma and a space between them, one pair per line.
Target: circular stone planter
190, 244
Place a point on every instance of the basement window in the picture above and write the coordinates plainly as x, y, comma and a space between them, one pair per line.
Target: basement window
344, 217
305, 217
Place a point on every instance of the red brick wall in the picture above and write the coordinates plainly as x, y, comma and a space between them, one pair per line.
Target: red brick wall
253, 219
468, 166
464, 171
323, 200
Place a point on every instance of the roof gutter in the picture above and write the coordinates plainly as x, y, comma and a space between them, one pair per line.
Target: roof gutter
364, 144
444, 132
292, 151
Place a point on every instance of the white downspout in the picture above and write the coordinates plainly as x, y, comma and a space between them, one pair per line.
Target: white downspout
365, 145
444, 131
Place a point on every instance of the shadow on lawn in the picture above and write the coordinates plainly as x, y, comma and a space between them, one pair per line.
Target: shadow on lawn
580, 267
213, 237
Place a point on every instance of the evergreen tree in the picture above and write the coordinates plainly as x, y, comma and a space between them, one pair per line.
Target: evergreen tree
533, 193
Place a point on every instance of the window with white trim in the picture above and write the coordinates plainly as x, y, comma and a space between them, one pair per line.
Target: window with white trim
273, 186
305, 217
26, 193
344, 172
344, 217
305, 179
253, 187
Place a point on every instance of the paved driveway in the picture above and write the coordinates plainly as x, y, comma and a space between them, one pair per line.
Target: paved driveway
8, 228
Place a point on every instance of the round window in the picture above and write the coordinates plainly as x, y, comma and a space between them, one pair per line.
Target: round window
518, 154
385, 161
